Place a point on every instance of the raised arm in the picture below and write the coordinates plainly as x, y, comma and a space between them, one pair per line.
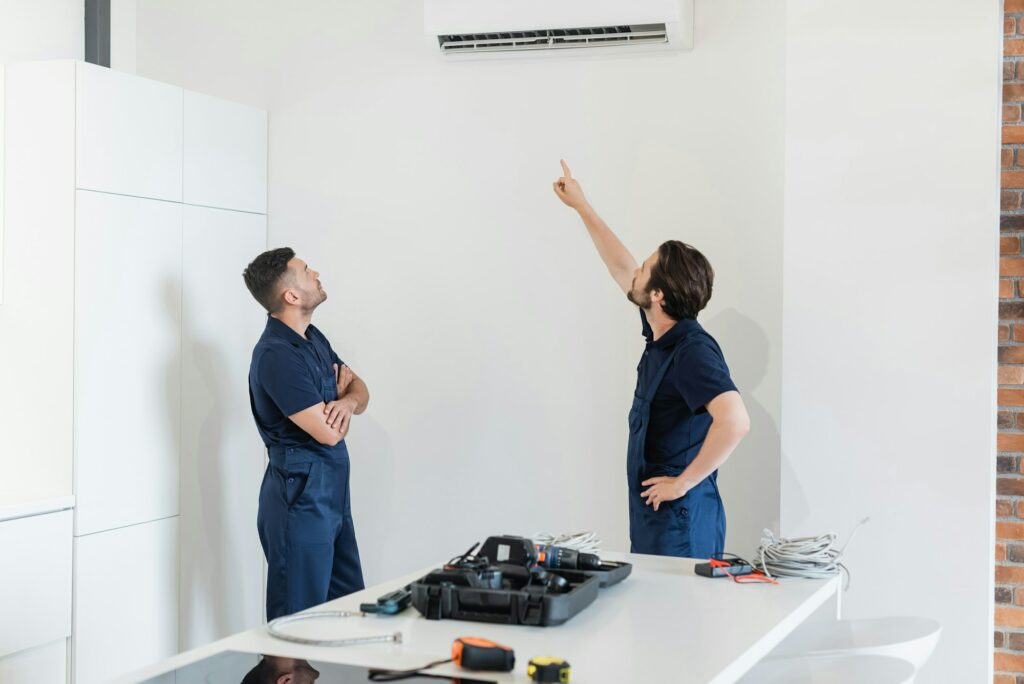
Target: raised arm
621, 264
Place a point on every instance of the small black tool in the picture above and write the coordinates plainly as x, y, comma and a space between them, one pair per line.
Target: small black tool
734, 567
389, 604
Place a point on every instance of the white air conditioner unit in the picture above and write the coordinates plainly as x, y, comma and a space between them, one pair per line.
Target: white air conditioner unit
461, 28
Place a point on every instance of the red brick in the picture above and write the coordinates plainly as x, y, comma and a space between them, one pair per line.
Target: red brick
1004, 679
1011, 113
1011, 375
1020, 70
1011, 6
1008, 662
1020, 25
1015, 554
1011, 266
1019, 507
1011, 310
1013, 46
1019, 156
1020, 421
1004, 333
1004, 508
1013, 134
1013, 92
1009, 71
1010, 486
1009, 245
1012, 179
1017, 332
1011, 355
1000, 552
1006, 289
1009, 530
1009, 201
1006, 157
1009, 26
1010, 617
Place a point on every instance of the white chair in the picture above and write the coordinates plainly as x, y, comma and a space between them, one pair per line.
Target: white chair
912, 639
858, 669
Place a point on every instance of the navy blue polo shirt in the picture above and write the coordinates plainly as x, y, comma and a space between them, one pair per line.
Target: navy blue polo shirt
679, 418
289, 373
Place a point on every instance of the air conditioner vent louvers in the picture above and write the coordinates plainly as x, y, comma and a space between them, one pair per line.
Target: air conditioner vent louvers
553, 39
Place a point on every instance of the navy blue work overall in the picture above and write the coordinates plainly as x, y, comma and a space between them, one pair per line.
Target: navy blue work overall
306, 529
305, 516
689, 527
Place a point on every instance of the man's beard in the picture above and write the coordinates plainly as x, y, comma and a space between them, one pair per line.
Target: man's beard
314, 300
640, 298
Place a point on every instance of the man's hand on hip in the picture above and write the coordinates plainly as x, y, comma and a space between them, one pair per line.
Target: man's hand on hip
664, 489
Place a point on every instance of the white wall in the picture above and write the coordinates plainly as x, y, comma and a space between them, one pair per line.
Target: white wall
30, 338
892, 139
499, 355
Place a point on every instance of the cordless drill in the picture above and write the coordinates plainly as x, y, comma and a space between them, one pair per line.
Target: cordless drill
559, 557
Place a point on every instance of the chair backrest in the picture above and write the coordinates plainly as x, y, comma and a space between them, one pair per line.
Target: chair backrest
850, 669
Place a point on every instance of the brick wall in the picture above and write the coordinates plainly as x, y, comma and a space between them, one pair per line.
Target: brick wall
1009, 595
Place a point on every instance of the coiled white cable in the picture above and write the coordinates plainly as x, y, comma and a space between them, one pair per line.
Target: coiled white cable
584, 542
807, 557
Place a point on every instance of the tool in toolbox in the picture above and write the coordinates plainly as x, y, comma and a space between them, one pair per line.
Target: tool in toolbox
549, 669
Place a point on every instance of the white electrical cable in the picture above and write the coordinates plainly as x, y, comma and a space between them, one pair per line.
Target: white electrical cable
807, 557
584, 542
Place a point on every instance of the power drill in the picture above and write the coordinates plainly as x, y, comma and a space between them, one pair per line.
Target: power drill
559, 557
522, 551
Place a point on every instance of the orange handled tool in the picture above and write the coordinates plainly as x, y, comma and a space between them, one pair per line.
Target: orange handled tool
474, 653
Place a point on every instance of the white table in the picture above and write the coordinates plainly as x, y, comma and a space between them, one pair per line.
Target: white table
663, 621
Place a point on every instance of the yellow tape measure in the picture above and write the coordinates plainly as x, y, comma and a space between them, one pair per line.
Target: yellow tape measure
549, 669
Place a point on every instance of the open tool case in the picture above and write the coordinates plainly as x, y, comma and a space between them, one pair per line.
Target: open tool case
510, 593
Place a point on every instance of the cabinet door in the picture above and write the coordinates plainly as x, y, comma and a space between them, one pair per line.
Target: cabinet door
35, 581
126, 600
225, 154
127, 360
222, 454
129, 134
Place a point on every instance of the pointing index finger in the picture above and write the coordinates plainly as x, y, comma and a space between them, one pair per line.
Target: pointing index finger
565, 168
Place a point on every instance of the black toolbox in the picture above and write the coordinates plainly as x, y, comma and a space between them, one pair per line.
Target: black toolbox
513, 591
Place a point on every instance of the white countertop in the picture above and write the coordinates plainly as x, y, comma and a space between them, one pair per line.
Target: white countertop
663, 621
24, 509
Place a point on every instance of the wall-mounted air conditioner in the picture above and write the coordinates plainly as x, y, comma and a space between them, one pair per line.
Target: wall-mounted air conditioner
461, 28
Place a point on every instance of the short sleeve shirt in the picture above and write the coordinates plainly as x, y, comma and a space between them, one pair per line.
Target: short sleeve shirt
289, 373
679, 419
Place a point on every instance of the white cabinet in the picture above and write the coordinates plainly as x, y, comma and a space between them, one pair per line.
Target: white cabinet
221, 455
130, 332
127, 360
36, 318
225, 154
46, 664
126, 600
35, 581
129, 134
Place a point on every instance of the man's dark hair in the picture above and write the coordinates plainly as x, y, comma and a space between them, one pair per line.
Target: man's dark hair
264, 274
684, 276
263, 673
